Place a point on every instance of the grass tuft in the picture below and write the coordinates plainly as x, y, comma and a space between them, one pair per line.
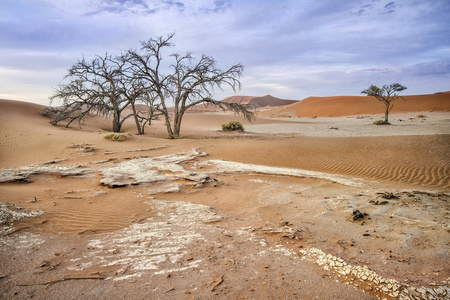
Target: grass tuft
114, 136
381, 122
233, 126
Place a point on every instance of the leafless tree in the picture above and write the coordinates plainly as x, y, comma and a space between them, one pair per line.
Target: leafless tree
188, 83
152, 111
386, 94
94, 86
108, 85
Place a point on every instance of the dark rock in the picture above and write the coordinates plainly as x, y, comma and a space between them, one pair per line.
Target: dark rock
357, 215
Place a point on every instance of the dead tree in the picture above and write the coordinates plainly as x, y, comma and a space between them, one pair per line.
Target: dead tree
189, 83
94, 85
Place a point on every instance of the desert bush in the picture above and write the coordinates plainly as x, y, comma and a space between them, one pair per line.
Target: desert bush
232, 126
113, 136
381, 122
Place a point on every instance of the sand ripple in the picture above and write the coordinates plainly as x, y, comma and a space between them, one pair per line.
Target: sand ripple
433, 176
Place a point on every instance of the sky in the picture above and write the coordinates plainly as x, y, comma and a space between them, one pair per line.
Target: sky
289, 49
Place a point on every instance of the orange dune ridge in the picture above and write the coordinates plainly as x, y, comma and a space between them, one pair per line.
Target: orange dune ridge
338, 106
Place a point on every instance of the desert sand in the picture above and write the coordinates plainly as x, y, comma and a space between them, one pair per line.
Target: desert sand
294, 207
358, 105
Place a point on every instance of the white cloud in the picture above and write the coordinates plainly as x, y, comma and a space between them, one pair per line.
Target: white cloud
290, 48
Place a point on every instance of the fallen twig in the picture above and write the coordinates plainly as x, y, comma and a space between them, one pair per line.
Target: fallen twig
65, 278
87, 230
217, 284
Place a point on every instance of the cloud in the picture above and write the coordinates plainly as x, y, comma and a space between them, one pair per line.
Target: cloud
289, 48
429, 69
221, 5
133, 7
390, 7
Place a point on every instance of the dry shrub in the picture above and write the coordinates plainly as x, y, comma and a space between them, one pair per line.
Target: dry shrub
381, 122
114, 136
233, 126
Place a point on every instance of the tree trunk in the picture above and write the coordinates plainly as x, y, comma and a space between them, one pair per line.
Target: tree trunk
169, 127
166, 116
138, 125
151, 113
116, 121
177, 125
143, 126
386, 113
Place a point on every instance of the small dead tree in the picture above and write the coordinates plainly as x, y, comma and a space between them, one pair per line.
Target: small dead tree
386, 94
190, 83
151, 113
136, 92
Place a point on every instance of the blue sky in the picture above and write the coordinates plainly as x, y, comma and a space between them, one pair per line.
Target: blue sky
289, 49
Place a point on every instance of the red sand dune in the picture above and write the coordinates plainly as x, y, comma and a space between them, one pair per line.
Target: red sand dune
360, 105
258, 102
253, 101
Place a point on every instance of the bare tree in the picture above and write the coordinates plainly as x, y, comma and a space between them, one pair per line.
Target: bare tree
189, 83
386, 94
137, 94
143, 70
95, 86
108, 85
134, 91
151, 113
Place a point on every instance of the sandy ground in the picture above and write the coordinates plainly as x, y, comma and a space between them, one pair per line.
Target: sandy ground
292, 208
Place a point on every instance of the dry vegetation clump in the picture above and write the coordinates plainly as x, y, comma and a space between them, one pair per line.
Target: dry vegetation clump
113, 136
381, 122
233, 126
